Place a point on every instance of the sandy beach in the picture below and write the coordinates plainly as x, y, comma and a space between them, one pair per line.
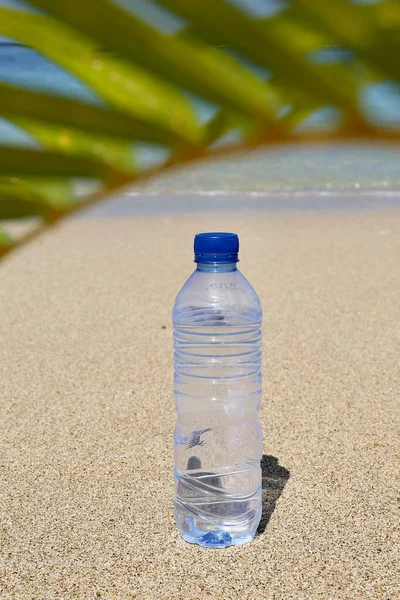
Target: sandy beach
87, 412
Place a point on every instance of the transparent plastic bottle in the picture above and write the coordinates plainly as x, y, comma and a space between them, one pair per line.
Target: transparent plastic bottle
217, 440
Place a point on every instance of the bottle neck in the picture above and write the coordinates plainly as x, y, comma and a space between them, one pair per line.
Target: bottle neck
217, 267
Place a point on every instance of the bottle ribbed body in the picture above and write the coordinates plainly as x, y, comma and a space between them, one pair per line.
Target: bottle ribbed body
217, 384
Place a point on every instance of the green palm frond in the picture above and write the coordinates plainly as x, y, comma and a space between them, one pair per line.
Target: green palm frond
258, 75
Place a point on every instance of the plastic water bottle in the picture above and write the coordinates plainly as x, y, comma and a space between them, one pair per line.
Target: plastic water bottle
217, 440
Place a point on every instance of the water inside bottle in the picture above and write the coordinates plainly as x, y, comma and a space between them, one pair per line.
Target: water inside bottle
218, 435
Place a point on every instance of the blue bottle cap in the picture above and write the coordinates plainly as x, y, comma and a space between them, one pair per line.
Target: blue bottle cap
216, 247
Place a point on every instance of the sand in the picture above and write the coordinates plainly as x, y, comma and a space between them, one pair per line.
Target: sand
87, 412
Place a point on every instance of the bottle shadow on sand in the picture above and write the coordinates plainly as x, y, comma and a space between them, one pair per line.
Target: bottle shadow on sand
274, 479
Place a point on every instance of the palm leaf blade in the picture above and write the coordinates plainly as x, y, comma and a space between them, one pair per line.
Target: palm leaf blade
354, 27
204, 71
117, 153
15, 161
6, 241
127, 87
219, 22
18, 200
59, 110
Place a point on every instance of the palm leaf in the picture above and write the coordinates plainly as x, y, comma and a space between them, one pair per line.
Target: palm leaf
127, 87
192, 66
19, 200
58, 190
263, 46
357, 28
6, 242
259, 77
66, 112
27, 162
116, 152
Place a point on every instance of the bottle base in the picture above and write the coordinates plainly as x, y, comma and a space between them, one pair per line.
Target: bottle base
216, 539
198, 530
